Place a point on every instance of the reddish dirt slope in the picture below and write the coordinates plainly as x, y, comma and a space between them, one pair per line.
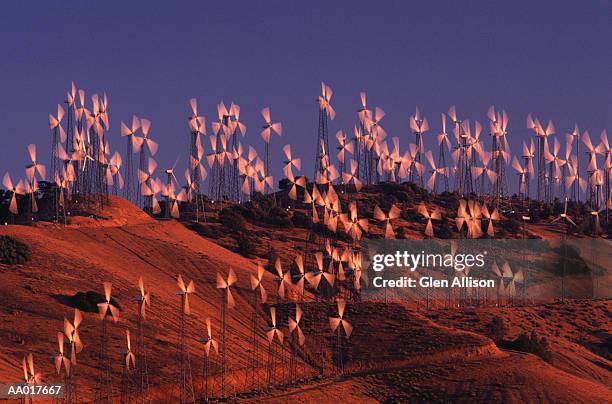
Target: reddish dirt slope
119, 248
394, 354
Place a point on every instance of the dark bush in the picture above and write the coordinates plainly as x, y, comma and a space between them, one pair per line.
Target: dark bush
512, 225
272, 257
546, 211
214, 232
533, 344
398, 192
231, 219
246, 247
444, 229
278, 217
13, 251
264, 210
85, 301
411, 215
496, 329
323, 231
302, 220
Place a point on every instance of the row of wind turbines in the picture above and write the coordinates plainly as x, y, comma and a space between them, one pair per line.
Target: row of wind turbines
83, 166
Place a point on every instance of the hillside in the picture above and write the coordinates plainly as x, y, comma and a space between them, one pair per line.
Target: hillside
394, 353
120, 247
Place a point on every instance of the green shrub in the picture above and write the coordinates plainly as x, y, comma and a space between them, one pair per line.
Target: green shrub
13, 251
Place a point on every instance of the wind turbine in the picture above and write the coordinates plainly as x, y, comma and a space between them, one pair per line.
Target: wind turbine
15, 190
554, 163
268, 129
143, 143
147, 184
30, 375
362, 142
353, 225
104, 389
60, 359
344, 147
434, 215
71, 332
606, 150
32, 169
314, 277
443, 141
113, 171
574, 135
594, 174
516, 278
505, 272
130, 357
419, 126
186, 392
168, 191
227, 302
326, 112
129, 367
273, 333
129, 192
209, 342
499, 150
143, 300
351, 176
528, 155
338, 324
568, 221
197, 129
490, 216
259, 298
393, 214
432, 184
295, 330
523, 175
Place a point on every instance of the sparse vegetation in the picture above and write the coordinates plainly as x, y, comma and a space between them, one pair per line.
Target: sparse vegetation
272, 257
511, 225
232, 219
246, 247
444, 229
13, 251
264, 209
85, 301
532, 344
496, 329
302, 220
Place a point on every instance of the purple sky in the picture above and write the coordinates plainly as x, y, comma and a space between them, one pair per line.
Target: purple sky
552, 59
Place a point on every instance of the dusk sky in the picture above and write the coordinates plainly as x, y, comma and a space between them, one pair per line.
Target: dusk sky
550, 58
